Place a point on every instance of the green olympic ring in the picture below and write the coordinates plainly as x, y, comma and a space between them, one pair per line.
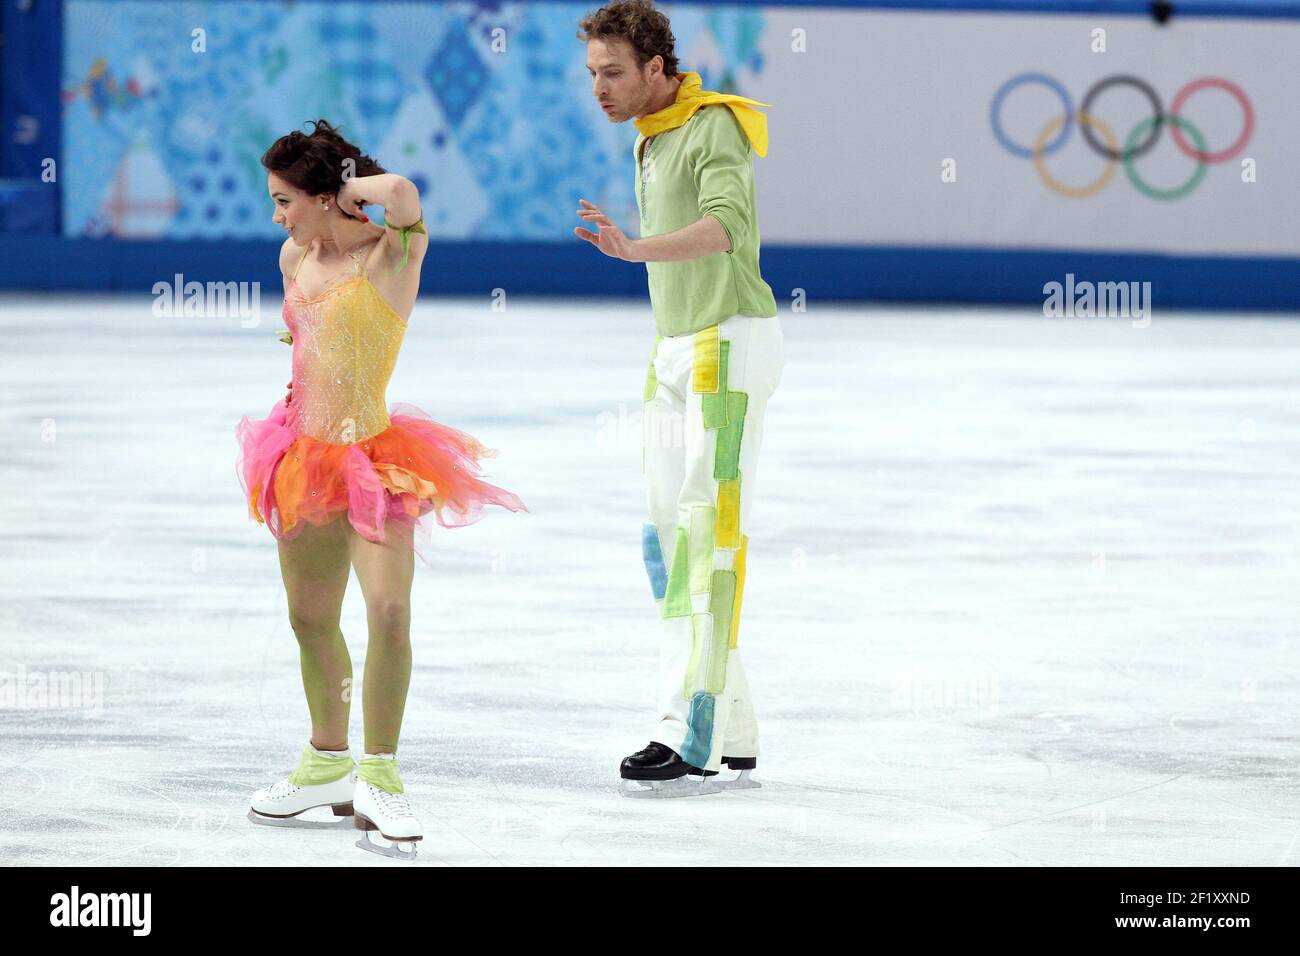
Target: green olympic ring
1151, 192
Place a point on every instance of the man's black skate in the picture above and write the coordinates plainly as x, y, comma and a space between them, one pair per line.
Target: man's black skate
655, 762
742, 780
659, 771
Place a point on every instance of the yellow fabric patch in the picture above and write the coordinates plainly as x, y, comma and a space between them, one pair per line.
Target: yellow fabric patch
708, 355
728, 531
740, 589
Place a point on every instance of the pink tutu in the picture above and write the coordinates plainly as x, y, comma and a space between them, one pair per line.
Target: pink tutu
413, 467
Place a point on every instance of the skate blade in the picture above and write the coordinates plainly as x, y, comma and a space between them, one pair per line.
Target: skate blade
742, 781
685, 786
298, 823
394, 851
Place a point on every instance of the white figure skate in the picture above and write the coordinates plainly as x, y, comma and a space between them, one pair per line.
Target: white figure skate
281, 804
391, 816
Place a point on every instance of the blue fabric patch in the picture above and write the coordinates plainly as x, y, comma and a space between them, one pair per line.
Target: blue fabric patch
654, 561
699, 730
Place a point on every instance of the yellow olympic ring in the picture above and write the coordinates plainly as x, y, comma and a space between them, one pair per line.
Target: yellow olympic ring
1076, 192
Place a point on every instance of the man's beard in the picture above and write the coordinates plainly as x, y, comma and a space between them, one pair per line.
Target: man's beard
642, 100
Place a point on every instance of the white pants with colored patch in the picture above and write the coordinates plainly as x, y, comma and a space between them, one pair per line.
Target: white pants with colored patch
705, 396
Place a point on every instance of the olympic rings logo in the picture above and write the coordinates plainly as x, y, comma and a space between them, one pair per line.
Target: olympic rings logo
1139, 141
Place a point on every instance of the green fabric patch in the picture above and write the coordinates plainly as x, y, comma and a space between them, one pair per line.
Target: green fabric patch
720, 606
699, 660
648, 393
715, 403
651, 379
677, 600
726, 459
703, 520
651, 383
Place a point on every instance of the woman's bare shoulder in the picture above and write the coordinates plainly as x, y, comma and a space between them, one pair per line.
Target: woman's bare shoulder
289, 256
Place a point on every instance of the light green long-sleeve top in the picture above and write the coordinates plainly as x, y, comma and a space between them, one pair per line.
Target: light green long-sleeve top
702, 168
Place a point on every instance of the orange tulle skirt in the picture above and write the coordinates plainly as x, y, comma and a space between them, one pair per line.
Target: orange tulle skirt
414, 467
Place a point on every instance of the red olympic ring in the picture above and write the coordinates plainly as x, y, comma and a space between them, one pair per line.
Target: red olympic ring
1216, 82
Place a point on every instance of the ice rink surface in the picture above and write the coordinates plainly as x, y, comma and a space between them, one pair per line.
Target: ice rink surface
1021, 591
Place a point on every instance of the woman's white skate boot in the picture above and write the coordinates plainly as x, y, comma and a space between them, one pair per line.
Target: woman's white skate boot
380, 805
321, 779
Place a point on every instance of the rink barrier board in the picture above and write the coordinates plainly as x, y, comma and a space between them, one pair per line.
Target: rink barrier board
823, 273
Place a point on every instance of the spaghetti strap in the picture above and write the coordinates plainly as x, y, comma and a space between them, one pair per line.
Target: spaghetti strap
300, 261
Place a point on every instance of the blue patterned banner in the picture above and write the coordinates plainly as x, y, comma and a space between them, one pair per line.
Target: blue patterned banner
487, 107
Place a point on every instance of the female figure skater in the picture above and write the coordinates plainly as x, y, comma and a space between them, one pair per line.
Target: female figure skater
342, 483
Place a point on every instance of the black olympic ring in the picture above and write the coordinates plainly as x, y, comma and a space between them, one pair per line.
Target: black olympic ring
1146, 90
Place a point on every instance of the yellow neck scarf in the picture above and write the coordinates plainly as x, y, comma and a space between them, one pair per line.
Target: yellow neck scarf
690, 98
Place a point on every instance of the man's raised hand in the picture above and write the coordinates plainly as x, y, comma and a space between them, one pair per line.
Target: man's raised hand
609, 239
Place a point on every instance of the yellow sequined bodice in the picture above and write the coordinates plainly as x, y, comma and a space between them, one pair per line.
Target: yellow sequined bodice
345, 345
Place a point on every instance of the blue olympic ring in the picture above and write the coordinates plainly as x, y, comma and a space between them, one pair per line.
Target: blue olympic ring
995, 111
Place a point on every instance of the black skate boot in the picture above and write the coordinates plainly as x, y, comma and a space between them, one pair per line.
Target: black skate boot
742, 780
659, 771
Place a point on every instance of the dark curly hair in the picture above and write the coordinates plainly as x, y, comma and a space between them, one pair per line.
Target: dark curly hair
313, 162
637, 22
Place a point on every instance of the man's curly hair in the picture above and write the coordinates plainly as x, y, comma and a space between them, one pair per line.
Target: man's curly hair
637, 22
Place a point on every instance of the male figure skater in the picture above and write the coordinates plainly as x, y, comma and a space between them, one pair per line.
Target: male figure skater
717, 359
